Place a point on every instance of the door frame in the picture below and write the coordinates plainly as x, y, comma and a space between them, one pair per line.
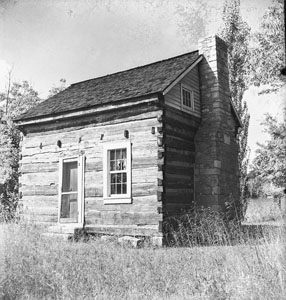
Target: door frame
80, 159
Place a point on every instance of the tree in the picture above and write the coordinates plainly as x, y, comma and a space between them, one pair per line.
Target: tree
268, 51
269, 164
56, 89
19, 98
267, 59
22, 97
193, 19
236, 34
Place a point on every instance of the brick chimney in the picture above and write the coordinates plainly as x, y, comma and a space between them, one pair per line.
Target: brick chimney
216, 169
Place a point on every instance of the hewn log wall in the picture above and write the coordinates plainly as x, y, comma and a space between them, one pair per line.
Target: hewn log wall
179, 133
40, 166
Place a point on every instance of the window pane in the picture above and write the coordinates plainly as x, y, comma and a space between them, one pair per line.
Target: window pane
124, 163
118, 189
187, 99
118, 165
124, 177
124, 188
119, 178
70, 177
118, 153
184, 97
112, 154
112, 191
113, 178
112, 165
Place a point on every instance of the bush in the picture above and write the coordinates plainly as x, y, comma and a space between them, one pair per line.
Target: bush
8, 202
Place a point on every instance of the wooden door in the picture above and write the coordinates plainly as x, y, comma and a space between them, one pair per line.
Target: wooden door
71, 190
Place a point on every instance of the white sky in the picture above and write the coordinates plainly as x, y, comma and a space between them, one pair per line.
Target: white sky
46, 40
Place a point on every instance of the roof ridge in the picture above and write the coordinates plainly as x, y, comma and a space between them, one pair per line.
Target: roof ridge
139, 67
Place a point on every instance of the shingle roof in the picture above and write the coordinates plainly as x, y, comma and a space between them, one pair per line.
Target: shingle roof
140, 81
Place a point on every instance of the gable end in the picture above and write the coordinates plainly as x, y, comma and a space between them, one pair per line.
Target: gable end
189, 82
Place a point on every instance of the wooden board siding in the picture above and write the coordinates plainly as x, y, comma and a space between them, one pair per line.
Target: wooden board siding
191, 80
39, 167
179, 133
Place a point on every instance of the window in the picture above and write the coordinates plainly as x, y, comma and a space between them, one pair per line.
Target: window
187, 99
117, 173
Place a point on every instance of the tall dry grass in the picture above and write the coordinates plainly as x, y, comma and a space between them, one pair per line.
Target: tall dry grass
204, 226
41, 268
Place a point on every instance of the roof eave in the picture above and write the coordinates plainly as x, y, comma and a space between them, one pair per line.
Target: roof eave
235, 113
84, 112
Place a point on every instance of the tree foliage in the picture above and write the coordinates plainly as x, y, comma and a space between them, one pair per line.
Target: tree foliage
21, 97
268, 50
236, 34
18, 99
56, 89
268, 174
193, 19
269, 165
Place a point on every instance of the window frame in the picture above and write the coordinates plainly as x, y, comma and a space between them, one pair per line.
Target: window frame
80, 159
116, 198
183, 106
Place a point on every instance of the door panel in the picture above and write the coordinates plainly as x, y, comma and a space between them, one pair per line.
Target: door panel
69, 194
69, 208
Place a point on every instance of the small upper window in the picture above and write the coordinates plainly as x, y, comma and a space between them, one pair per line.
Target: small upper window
187, 99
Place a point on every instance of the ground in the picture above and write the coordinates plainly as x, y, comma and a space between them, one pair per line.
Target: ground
2, 250
262, 210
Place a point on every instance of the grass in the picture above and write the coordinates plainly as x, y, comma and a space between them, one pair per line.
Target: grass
41, 268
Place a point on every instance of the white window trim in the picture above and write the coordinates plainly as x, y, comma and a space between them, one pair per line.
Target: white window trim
116, 199
80, 160
184, 107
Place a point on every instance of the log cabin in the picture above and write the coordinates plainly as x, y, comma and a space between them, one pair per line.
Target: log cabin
120, 153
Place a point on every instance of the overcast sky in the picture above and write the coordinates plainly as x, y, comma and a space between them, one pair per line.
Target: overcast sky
46, 40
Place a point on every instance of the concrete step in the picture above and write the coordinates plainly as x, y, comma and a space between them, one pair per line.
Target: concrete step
131, 230
60, 236
64, 229
130, 241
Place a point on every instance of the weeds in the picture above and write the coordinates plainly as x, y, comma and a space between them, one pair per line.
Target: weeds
41, 268
205, 227
202, 226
